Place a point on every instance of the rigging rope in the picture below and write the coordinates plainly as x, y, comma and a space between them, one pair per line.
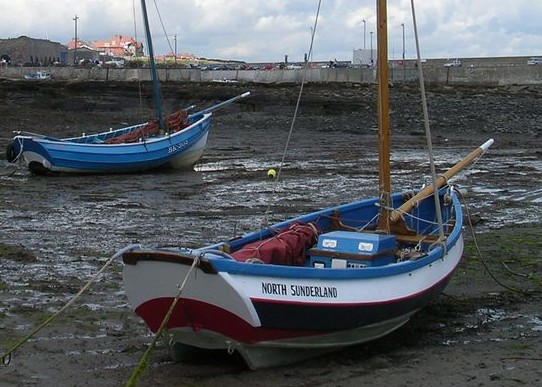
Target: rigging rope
163, 27
142, 365
313, 32
426, 122
137, 61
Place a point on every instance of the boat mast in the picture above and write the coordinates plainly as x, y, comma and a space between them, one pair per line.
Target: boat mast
154, 73
383, 117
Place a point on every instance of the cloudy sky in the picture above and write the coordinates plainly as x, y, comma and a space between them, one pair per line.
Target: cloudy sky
267, 30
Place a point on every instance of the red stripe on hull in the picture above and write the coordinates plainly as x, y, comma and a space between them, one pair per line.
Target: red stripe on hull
198, 315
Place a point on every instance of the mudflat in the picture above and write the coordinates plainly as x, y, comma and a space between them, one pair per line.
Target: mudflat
57, 232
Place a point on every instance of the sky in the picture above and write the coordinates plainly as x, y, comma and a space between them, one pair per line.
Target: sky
267, 30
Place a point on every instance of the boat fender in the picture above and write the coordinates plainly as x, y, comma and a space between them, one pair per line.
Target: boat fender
11, 155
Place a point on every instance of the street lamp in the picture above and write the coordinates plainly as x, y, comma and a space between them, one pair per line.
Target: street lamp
175, 40
403, 63
371, 48
311, 40
403, 25
364, 33
75, 47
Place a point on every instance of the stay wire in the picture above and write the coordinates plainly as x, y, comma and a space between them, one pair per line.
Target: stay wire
163, 27
426, 124
309, 55
140, 88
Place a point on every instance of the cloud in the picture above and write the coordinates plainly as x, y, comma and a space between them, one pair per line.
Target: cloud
258, 31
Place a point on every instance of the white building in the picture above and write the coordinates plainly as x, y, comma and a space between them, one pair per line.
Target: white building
363, 58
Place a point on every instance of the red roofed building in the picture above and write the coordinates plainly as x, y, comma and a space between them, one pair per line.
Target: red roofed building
119, 46
84, 51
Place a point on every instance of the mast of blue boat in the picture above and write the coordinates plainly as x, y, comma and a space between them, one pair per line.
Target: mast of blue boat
384, 168
154, 73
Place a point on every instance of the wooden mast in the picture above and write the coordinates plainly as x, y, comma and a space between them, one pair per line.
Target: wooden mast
383, 117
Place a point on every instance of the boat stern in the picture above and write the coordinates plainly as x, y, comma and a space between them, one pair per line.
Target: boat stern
34, 155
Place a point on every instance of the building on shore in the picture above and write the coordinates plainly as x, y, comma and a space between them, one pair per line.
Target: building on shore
364, 58
118, 46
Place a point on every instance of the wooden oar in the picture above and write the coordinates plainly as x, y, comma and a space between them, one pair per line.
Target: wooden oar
442, 180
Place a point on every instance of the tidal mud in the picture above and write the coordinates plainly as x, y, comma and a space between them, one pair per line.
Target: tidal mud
58, 231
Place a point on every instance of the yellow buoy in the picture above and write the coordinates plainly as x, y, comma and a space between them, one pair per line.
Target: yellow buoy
272, 173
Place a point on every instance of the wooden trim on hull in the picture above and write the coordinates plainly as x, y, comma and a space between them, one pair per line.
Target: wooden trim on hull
135, 256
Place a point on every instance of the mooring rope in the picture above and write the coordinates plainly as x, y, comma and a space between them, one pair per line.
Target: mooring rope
481, 257
142, 365
6, 357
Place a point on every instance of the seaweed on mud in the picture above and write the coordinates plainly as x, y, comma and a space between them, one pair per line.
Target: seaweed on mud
17, 253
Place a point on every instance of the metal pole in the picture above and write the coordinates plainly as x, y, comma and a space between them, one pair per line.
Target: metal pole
371, 49
312, 36
364, 35
404, 69
175, 39
75, 47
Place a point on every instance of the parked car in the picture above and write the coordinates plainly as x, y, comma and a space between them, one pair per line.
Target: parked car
454, 63
534, 61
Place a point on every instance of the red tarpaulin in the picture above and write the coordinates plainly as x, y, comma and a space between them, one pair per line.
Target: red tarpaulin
286, 248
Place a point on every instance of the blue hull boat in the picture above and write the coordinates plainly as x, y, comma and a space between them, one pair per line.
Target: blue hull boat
91, 154
107, 152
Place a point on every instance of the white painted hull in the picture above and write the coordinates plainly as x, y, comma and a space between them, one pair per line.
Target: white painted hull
275, 314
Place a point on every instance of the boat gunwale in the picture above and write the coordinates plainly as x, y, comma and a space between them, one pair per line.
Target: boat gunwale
215, 262
148, 140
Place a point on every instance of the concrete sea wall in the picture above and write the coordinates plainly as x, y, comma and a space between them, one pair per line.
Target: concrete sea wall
475, 72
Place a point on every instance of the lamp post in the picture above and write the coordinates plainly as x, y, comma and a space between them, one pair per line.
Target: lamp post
403, 25
364, 35
175, 40
75, 46
371, 48
311, 40
403, 63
